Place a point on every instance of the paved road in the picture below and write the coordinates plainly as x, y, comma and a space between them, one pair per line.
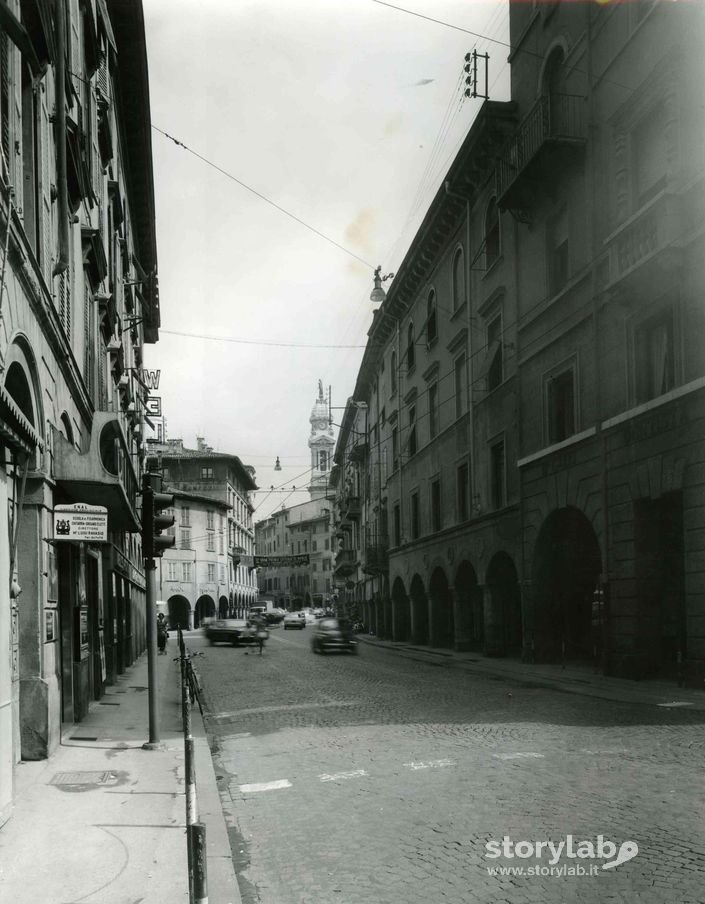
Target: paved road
376, 779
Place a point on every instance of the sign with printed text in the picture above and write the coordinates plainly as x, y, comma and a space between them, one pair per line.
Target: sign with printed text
80, 522
154, 406
280, 561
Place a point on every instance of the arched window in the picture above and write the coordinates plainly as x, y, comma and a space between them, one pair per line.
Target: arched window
410, 347
492, 234
431, 318
393, 369
458, 279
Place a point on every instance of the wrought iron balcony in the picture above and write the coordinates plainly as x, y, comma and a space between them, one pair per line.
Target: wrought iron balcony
376, 559
651, 233
556, 122
345, 562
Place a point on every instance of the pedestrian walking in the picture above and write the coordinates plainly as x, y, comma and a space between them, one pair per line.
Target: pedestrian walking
162, 633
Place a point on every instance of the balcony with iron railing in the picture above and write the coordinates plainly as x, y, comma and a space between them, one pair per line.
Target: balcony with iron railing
375, 558
555, 124
643, 241
345, 562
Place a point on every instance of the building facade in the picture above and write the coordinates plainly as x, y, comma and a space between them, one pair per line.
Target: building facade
210, 571
78, 302
303, 530
532, 461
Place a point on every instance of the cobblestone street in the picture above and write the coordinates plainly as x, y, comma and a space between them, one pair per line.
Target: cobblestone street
381, 779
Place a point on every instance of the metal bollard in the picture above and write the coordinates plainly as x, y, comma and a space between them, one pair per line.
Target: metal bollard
197, 833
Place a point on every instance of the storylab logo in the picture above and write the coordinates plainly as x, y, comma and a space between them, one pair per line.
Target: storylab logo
570, 857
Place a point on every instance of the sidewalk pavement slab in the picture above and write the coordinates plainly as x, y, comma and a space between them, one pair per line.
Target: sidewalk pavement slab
571, 678
103, 820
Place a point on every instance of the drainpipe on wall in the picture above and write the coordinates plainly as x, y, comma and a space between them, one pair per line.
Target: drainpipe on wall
63, 193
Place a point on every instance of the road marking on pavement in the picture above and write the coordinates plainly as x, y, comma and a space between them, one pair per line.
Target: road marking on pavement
675, 703
265, 786
518, 756
285, 707
606, 751
431, 764
342, 775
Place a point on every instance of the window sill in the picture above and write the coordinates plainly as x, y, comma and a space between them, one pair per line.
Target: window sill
458, 311
493, 266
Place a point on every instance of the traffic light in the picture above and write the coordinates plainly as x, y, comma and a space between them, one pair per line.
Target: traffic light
154, 519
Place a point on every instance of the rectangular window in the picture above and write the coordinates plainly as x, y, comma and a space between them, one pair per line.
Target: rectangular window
497, 474
494, 366
558, 247
436, 505
463, 491
654, 353
210, 520
460, 385
211, 542
433, 409
395, 449
414, 526
327, 544
185, 516
314, 545
560, 404
206, 473
397, 525
649, 155
211, 574
412, 430
186, 572
185, 538
171, 571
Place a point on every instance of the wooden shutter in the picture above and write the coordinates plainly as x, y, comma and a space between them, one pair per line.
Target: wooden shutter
46, 151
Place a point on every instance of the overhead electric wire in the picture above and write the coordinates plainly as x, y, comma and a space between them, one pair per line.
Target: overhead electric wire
263, 197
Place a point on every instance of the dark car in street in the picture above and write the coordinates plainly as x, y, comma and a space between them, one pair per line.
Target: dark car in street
234, 631
332, 634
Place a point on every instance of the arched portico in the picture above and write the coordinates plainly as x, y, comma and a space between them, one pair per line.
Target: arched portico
401, 606
503, 621
205, 608
179, 610
566, 569
469, 610
419, 611
442, 618
223, 607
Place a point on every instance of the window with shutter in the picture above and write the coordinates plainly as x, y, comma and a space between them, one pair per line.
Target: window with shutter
46, 229
5, 105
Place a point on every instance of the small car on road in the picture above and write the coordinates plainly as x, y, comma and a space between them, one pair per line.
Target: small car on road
235, 631
296, 620
332, 634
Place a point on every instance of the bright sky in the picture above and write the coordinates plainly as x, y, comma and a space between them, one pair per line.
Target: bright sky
345, 114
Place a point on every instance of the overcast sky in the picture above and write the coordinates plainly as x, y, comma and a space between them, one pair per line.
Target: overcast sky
343, 113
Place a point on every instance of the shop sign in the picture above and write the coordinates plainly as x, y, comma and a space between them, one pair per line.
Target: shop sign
80, 522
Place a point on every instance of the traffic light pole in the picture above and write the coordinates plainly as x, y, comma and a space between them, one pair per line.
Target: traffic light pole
150, 569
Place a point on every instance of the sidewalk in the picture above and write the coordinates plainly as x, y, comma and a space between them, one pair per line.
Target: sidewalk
103, 820
571, 679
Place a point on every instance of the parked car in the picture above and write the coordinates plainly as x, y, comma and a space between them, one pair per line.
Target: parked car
333, 634
235, 631
275, 616
294, 620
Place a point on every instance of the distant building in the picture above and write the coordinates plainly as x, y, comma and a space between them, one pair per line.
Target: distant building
304, 529
210, 571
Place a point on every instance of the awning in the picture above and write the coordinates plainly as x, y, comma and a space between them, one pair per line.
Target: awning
15, 430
